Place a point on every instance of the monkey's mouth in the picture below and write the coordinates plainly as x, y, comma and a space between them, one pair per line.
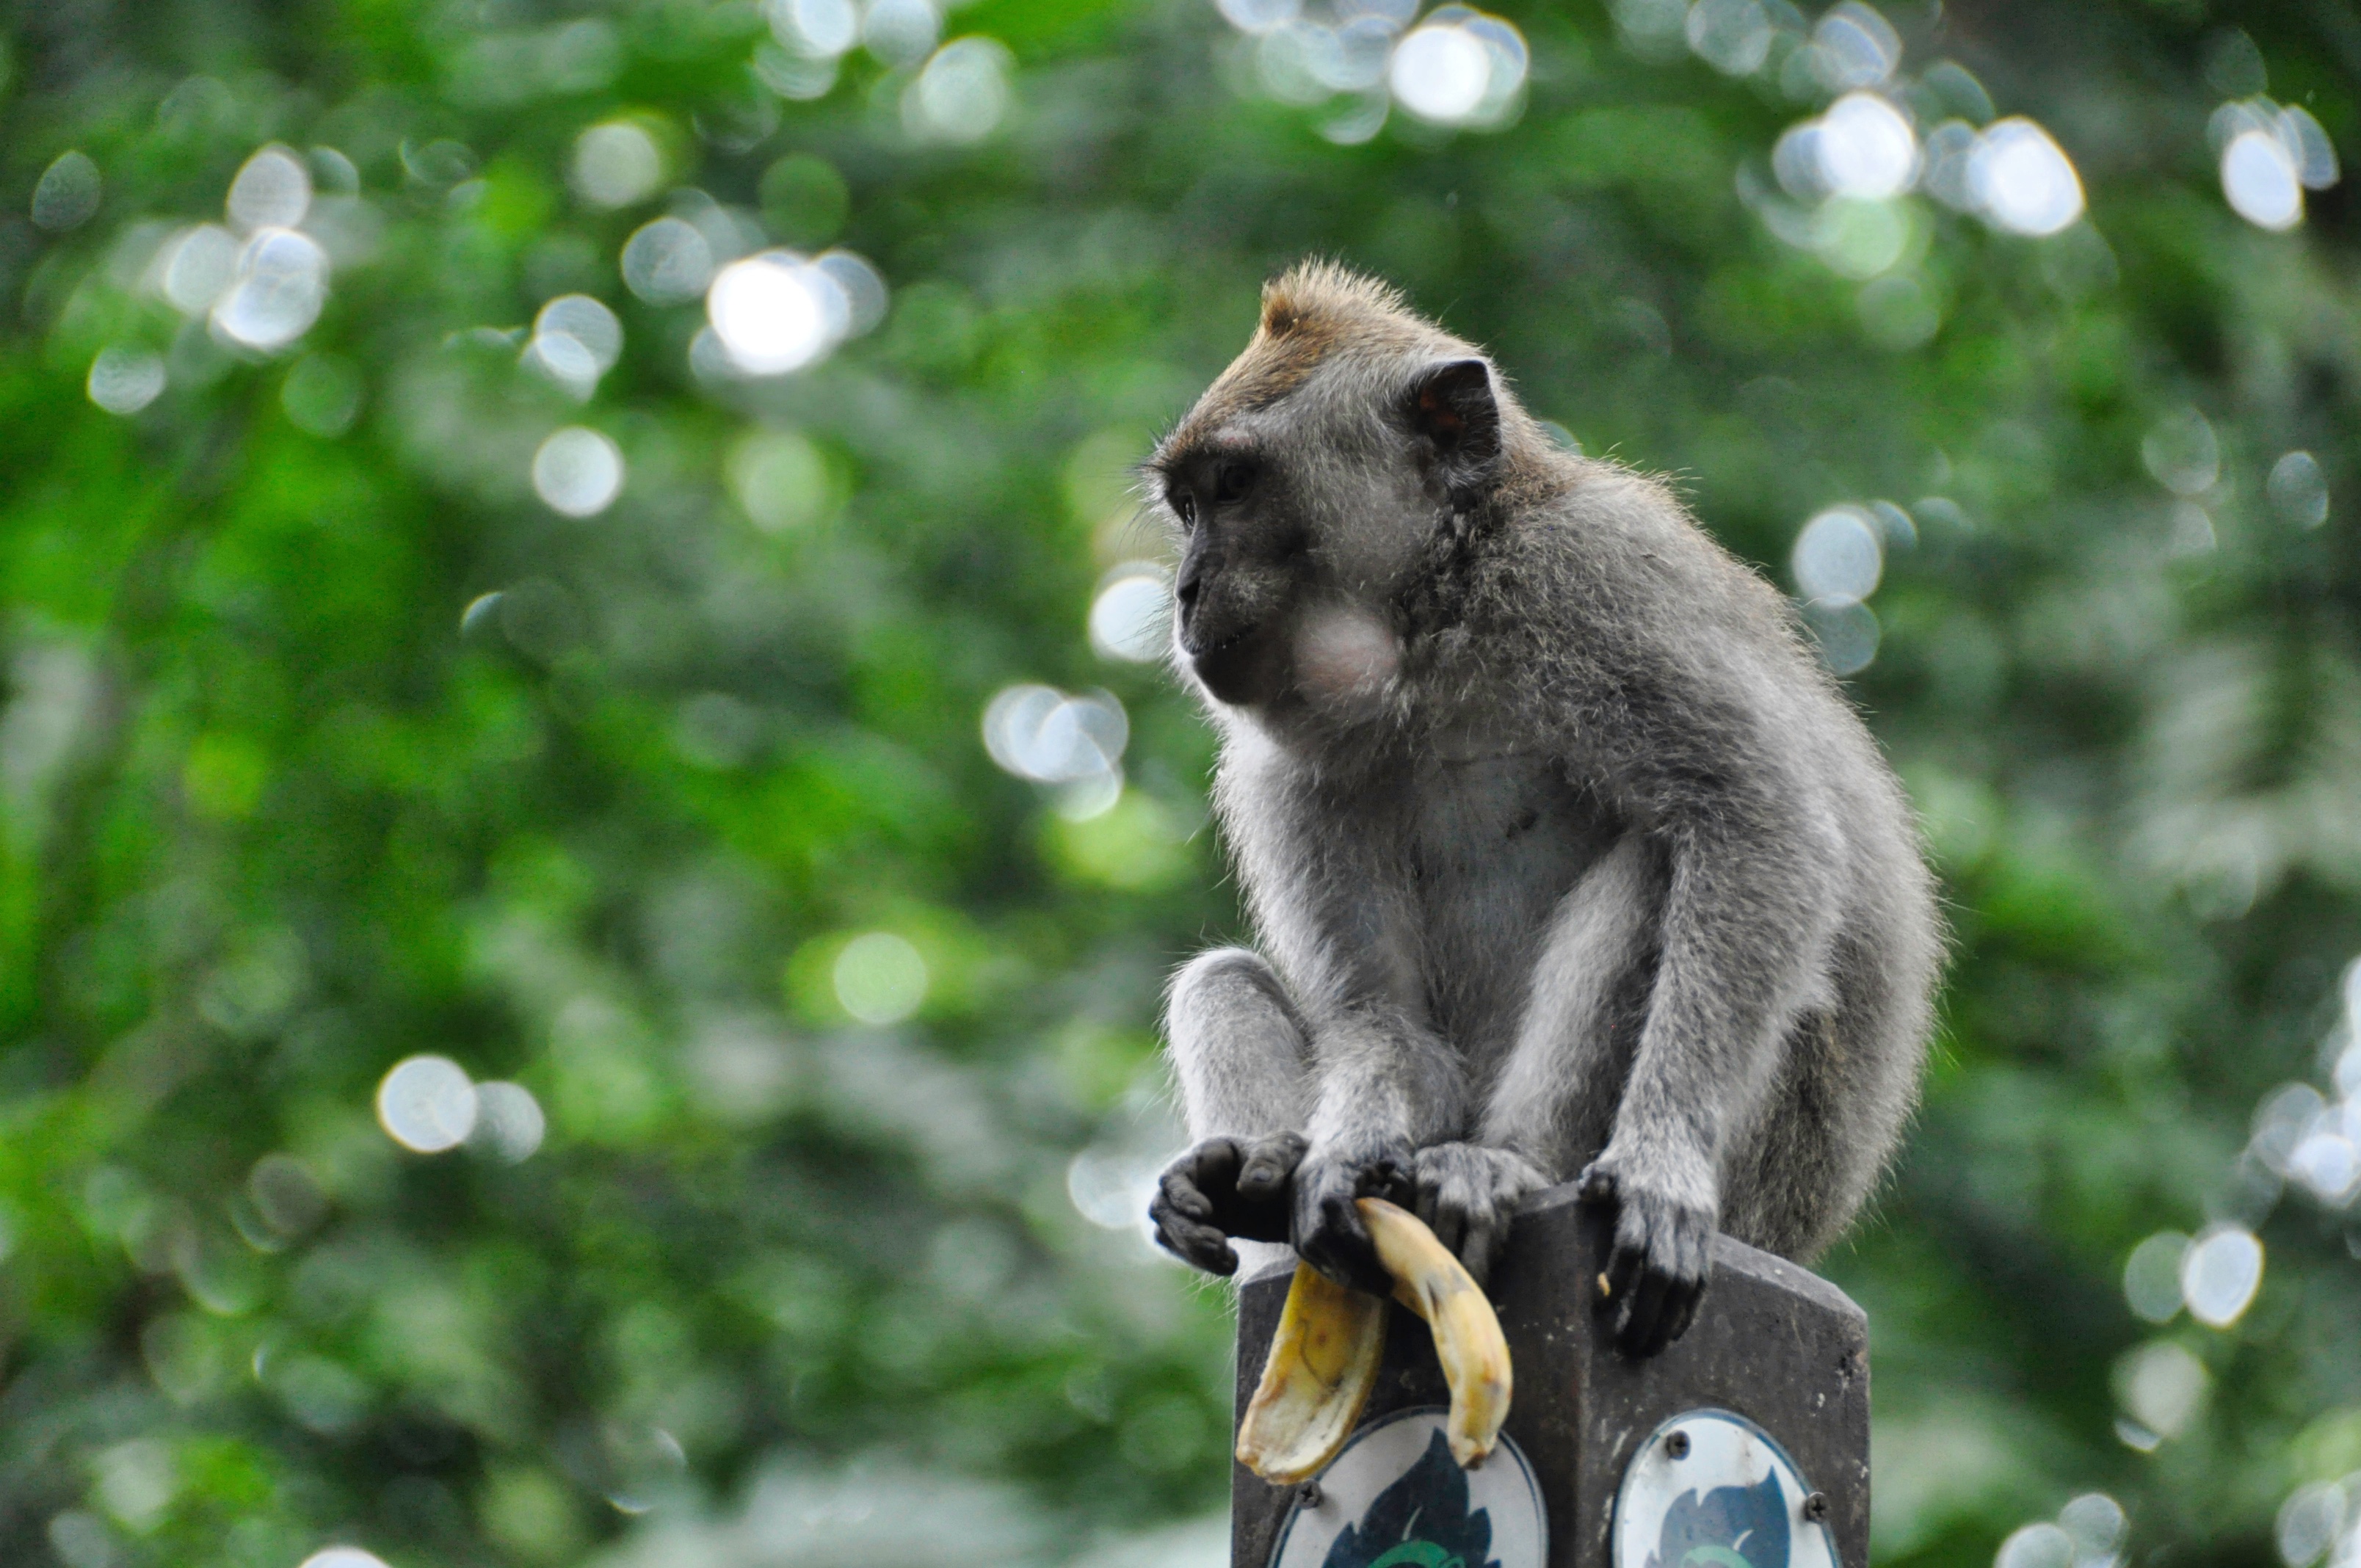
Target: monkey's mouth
1232, 669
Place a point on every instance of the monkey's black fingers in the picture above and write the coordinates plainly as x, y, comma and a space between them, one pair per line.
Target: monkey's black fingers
1177, 1189
1392, 1178
1682, 1308
1485, 1235
1445, 1213
1202, 1245
1269, 1165
1693, 1267
1449, 1228
1637, 1326
1338, 1245
1213, 1164
1626, 1261
1683, 1292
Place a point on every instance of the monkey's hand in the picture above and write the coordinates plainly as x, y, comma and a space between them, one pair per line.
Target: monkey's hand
1656, 1264
1328, 1234
1468, 1195
1225, 1187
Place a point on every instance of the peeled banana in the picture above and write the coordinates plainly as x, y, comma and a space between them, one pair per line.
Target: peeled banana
1323, 1358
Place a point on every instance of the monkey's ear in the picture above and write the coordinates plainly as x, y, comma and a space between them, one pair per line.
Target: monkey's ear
1453, 411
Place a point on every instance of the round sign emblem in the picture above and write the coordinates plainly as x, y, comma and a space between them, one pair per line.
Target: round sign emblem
1710, 1489
1396, 1499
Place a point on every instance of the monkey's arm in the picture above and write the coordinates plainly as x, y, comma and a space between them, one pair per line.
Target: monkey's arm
1326, 891
1386, 1088
1547, 1106
1749, 854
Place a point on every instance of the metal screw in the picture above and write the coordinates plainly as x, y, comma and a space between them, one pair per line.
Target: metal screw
1677, 1445
1308, 1495
1816, 1507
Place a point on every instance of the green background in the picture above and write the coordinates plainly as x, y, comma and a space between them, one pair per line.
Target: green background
781, 1288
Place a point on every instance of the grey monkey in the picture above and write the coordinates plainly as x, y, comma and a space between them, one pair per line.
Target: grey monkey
1564, 853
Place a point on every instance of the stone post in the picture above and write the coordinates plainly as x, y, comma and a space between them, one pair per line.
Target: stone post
1750, 1434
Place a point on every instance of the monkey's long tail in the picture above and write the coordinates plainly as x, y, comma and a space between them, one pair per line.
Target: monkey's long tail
1323, 1358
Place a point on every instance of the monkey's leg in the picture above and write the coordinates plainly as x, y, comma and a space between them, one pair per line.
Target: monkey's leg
1240, 1059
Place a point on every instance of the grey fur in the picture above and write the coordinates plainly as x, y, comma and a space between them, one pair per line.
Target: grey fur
1565, 852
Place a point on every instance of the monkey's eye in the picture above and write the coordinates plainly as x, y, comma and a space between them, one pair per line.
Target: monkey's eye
1184, 506
1232, 481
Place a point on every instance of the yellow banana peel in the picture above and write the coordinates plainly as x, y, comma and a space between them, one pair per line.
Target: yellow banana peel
1323, 1358
1323, 1362
1468, 1338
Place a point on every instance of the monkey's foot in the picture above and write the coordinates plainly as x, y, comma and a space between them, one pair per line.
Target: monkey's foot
1224, 1188
1468, 1194
1656, 1266
1327, 1231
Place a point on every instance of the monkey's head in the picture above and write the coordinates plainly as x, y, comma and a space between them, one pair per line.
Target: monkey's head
1309, 483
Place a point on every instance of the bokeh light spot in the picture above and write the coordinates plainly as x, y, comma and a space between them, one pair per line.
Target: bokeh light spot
2299, 490
1131, 618
427, 1103
196, 266
285, 1194
67, 194
880, 978
123, 379
2219, 1275
2096, 1523
900, 32
587, 322
1441, 73
322, 395
1039, 733
1257, 16
1847, 632
616, 164
577, 471
2021, 181
1852, 46
273, 191
1866, 148
780, 478
509, 1121
575, 340
667, 262
1460, 67
2163, 1385
1732, 36
2262, 182
775, 312
1838, 556
2183, 453
281, 284
2152, 1277
2043, 1545
820, 29
343, 1557
963, 93
2310, 1522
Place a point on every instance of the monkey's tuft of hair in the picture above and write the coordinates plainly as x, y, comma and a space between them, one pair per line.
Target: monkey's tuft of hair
1328, 295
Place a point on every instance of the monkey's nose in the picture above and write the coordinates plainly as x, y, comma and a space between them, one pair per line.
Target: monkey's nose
1184, 592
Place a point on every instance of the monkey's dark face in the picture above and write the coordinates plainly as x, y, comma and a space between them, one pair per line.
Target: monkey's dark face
1243, 563
1299, 520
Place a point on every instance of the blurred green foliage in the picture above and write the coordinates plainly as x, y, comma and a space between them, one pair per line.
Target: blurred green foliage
287, 799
